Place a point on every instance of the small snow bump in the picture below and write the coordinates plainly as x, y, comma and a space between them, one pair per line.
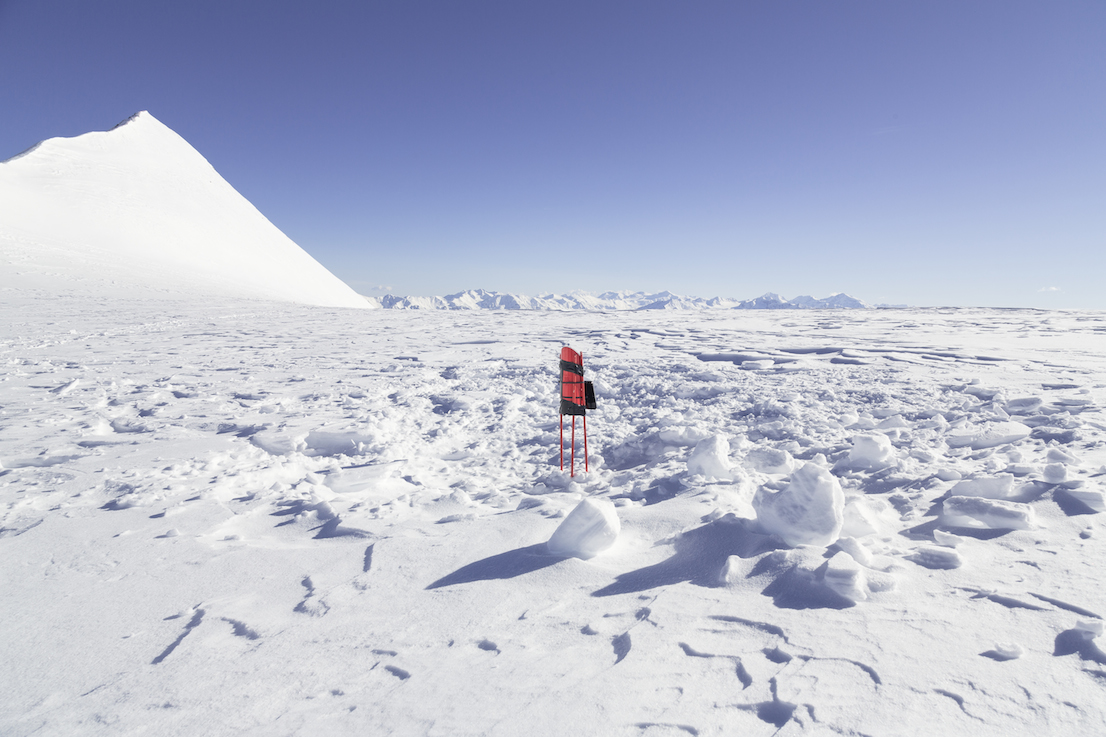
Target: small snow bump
1004, 651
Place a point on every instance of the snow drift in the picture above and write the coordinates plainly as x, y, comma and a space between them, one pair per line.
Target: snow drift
137, 211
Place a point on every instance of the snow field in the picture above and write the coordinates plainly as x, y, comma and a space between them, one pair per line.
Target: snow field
293, 520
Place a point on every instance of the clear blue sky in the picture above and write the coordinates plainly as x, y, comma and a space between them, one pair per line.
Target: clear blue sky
930, 153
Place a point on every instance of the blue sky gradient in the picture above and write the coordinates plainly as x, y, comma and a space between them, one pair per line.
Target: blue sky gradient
937, 153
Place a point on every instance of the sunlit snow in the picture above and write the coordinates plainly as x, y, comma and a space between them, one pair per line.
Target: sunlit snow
306, 520
235, 516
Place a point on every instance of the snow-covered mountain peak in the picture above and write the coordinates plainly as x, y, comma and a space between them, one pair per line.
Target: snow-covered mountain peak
141, 116
137, 209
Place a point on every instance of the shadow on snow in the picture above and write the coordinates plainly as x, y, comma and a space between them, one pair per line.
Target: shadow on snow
700, 555
504, 565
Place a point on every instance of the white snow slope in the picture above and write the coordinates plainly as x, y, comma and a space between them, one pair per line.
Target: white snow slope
236, 518
136, 211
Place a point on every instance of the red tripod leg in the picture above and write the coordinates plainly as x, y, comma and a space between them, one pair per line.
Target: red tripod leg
572, 455
585, 443
561, 422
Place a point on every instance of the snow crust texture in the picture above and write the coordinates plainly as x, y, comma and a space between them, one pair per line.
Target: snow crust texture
136, 212
271, 519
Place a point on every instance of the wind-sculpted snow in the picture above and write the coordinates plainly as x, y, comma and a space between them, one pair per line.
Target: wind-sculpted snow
236, 518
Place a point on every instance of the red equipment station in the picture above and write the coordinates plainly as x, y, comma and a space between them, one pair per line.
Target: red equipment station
577, 396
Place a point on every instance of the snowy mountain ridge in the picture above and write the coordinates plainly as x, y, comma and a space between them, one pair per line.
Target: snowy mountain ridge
479, 299
137, 211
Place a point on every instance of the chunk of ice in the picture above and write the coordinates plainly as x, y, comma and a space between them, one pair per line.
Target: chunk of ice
1023, 405
1055, 473
1000, 486
946, 539
853, 547
871, 451
972, 511
711, 458
846, 577
988, 436
1093, 627
1007, 651
809, 511
1093, 498
930, 556
588, 530
1055, 455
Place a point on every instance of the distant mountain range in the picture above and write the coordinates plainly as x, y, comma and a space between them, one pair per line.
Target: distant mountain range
478, 299
137, 211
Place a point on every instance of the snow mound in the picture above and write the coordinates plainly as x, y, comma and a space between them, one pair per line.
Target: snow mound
809, 511
1003, 651
136, 211
870, 452
587, 531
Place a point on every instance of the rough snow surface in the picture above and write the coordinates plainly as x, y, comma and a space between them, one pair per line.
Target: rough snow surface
235, 518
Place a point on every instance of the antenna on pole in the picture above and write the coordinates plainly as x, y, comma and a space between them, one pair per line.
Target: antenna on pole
577, 396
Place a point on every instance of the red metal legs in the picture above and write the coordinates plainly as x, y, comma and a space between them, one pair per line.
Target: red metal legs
562, 424
585, 443
572, 451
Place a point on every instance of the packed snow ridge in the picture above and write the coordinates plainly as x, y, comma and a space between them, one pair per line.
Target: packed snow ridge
478, 299
137, 212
